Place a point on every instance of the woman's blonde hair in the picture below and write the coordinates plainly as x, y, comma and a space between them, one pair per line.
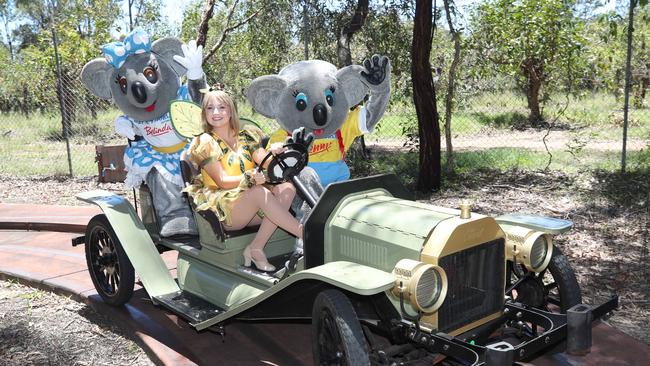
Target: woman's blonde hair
220, 96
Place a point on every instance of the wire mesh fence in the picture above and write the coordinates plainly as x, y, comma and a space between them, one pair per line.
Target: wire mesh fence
52, 130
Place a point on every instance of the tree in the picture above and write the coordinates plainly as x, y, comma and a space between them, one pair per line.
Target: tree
234, 19
8, 15
347, 32
450, 9
533, 40
424, 98
146, 15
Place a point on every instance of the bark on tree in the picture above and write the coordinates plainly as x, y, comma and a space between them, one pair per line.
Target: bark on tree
344, 53
532, 70
228, 27
451, 88
424, 98
202, 31
355, 24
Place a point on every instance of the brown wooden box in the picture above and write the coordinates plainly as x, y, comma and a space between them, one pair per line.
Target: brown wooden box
110, 163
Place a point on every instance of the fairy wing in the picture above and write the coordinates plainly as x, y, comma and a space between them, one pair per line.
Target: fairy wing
186, 118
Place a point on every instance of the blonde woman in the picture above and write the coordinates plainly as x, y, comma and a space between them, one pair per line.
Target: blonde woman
230, 183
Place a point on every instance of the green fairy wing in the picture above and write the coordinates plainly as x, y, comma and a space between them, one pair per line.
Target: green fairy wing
186, 118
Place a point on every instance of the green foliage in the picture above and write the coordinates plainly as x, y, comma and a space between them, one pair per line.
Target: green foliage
536, 41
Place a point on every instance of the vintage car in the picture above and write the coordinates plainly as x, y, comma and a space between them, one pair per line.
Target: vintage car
383, 279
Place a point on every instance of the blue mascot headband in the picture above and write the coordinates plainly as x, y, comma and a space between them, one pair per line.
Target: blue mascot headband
134, 43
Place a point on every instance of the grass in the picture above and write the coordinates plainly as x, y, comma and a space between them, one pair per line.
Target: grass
600, 113
34, 145
405, 164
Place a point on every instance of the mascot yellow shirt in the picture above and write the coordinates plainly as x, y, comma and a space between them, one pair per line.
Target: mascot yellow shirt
327, 155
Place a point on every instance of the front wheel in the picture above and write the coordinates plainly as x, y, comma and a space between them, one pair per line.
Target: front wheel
556, 287
110, 269
337, 337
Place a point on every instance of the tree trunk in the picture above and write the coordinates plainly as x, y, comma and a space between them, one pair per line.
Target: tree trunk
355, 24
344, 54
451, 87
24, 106
424, 98
202, 31
533, 86
92, 107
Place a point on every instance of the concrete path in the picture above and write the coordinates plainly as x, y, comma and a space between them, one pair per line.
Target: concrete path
46, 259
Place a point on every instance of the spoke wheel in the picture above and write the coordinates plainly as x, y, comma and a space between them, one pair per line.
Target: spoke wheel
110, 269
553, 289
337, 337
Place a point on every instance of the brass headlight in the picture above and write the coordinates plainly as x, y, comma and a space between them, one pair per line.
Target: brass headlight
531, 248
423, 285
539, 252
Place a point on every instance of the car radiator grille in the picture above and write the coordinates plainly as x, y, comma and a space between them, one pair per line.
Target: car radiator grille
475, 277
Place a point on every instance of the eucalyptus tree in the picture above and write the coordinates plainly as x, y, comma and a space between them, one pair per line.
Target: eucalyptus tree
450, 13
347, 31
533, 40
424, 98
146, 14
8, 16
242, 39
80, 27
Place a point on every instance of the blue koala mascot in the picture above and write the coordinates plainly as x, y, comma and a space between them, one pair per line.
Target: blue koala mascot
142, 78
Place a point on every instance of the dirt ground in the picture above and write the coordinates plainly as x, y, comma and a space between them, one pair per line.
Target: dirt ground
41, 328
608, 249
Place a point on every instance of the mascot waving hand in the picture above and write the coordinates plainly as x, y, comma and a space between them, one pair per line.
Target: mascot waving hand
142, 78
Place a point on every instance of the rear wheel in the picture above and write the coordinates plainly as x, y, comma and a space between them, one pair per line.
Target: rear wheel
555, 288
110, 269
337, 337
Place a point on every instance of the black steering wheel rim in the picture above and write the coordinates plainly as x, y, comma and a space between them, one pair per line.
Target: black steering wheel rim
296, 154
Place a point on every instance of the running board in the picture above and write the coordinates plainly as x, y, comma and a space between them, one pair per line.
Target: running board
190, 307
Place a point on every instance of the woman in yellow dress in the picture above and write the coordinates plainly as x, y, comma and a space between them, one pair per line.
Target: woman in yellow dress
230, 183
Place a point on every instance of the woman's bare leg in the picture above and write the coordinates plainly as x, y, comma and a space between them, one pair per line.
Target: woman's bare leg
275, 205
275, 208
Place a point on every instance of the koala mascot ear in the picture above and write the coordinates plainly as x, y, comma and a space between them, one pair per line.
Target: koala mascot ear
351, 84
167, 48
263, 94
96, 76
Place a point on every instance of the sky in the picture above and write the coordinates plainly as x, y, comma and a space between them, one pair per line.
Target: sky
174, 9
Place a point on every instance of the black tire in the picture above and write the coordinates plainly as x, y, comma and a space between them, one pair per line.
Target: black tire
337, 337
110, 269
555, 288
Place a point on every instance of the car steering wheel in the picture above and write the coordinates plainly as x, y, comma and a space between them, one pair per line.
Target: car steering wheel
287, 164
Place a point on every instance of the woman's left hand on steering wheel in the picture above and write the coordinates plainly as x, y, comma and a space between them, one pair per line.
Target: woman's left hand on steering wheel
259, 177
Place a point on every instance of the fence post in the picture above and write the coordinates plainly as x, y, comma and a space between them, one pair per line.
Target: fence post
59, 88
628, 81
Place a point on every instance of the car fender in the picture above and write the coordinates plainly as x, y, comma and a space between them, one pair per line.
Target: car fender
348, 276
548, 225
135, 240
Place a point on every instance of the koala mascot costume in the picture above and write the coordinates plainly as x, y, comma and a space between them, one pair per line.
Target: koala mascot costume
142, 79
315, 95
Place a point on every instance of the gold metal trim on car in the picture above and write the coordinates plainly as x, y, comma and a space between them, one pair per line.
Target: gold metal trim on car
453, 235
415, 279
520, 242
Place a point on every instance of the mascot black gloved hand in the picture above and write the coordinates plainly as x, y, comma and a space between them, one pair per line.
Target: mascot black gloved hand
142, 79
315, 95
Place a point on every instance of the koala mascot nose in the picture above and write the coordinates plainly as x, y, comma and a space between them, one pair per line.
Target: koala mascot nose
139, 92
320, 114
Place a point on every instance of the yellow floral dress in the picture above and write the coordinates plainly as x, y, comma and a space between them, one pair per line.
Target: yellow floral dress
206, 148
